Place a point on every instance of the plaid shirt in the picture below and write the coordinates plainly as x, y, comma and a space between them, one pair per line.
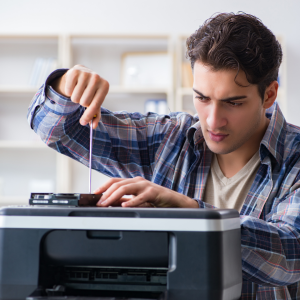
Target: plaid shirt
169, 150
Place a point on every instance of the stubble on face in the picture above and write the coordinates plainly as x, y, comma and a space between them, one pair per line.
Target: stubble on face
235, 140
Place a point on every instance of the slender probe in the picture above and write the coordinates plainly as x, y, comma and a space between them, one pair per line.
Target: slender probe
90, 158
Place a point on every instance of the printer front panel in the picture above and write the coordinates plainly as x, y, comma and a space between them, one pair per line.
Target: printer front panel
173, 265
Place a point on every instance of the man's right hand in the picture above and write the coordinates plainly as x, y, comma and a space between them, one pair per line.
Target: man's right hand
85, 87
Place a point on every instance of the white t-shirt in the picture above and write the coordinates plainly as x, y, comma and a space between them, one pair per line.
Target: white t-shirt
223, 192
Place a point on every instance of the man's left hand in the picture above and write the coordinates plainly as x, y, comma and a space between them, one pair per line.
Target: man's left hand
144, 194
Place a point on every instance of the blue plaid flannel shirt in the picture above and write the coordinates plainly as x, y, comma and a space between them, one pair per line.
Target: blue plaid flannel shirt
169, 150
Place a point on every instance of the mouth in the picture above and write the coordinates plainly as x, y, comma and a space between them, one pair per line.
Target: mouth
217, 137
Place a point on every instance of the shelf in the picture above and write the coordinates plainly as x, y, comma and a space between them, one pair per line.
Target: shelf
18, 89
22, 145
13, 200
18, 59
185, 91
138, 90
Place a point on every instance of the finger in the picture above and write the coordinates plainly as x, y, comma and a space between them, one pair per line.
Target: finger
103, 188
89, 114
93, 82
96, 103
87, 95
129, 189
70, 81
143, 200
116, 203
113, 184
79, 90
96, 120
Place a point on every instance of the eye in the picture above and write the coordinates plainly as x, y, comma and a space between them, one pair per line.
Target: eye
200, 98
234, 103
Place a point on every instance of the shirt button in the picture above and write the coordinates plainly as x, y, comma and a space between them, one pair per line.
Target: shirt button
52, 102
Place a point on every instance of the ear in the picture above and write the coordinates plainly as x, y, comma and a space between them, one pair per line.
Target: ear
270, 94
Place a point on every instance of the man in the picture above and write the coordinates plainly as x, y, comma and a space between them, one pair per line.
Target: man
236, 155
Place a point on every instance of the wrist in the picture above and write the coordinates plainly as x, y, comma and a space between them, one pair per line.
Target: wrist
186, 202
58, 85
191, 203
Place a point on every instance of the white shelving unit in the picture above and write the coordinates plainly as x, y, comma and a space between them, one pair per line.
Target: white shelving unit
26, 164
184, 94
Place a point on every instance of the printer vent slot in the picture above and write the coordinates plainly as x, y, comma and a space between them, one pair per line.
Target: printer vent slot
76, 280
153, 278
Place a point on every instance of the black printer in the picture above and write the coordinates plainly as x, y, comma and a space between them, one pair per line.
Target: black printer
119, 253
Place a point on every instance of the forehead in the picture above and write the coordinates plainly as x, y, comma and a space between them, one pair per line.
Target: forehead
222, 82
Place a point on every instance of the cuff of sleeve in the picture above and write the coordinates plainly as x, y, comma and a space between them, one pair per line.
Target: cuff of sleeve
59, 104
55, 74
200, 203
40, 97
203, 204
56, 102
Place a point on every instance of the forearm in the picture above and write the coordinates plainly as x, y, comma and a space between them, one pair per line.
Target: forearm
48, 114
56, 120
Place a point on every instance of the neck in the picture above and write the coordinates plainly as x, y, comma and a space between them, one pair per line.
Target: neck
233, 162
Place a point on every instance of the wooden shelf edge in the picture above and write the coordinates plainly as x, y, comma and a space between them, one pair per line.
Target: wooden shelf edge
18, 89
138, 90
120, 36
185, 91
13, 200
22, 145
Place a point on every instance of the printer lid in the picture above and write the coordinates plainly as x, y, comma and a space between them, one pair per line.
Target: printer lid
118, 218
136, 212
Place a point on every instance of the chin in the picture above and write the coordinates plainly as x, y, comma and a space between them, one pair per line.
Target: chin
217, 148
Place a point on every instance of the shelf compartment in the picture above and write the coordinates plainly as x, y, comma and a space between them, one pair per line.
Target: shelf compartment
23, 171
18, 55
103, 54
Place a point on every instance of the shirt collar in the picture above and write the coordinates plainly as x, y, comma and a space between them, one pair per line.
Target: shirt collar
272, 142
194, 133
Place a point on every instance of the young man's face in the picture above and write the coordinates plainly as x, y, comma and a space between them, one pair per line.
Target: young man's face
232, 117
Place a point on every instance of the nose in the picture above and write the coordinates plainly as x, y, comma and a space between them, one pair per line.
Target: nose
215, 118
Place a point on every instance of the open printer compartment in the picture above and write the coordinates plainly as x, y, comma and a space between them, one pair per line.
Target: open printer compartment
170, 254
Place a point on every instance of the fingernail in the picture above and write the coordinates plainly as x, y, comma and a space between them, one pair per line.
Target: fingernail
83, 123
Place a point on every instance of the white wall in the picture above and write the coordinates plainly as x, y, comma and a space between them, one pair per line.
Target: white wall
156, 16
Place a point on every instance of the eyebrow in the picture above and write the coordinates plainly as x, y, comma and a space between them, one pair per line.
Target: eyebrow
225, 99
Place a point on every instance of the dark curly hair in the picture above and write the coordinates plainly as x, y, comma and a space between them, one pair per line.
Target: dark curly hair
237, 41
